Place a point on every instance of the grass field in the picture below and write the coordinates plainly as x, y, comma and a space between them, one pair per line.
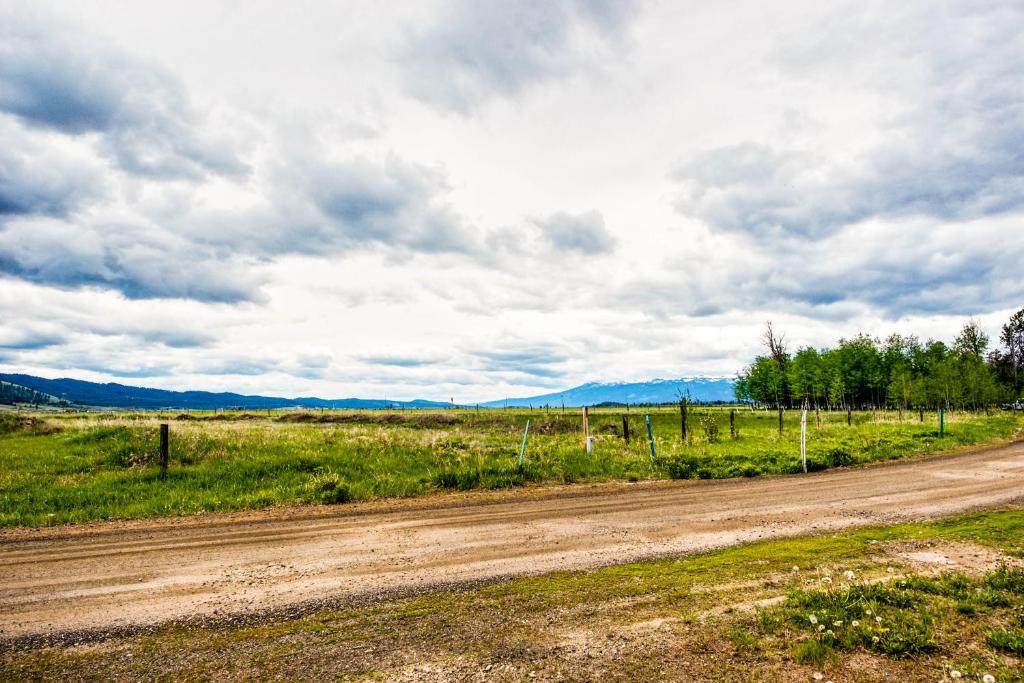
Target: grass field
68, 468
849, 606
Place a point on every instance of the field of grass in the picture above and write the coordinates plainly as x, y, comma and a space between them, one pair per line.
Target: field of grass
849, 606
69, 468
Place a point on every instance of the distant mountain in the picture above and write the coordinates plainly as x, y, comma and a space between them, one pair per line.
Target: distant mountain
702, 389
31, 389
123, 396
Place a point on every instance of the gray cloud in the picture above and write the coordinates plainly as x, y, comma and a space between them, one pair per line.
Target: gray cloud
140, 261
360, 202
956, 153
532, 363
400, 361
584, 233
477, 50
54, 78
37, 178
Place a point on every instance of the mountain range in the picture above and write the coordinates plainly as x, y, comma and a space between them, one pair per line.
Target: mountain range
112, 395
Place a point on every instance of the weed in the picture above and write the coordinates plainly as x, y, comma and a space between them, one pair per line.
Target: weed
1007, 639
813, 651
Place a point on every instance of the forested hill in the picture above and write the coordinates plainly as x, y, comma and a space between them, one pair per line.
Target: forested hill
11, 394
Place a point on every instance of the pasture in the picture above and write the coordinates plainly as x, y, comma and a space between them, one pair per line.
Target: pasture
79, 467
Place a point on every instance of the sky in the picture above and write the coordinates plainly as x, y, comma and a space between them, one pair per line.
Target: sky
479, 199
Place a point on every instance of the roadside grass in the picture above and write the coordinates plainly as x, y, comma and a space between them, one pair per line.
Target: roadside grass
736, 614
59, 469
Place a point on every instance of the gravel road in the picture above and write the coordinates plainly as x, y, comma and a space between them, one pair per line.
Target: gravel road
103, 578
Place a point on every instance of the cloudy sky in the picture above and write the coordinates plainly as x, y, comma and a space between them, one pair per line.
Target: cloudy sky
480, 199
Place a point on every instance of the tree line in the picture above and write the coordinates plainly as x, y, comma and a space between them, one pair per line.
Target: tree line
898, 372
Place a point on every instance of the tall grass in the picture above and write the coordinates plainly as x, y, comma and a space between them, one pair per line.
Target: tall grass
74, 468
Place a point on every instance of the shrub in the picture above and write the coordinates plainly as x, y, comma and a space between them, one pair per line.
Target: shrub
709, 425
328, 488
682, 467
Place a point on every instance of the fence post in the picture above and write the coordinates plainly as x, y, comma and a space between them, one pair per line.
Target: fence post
849, 416
803, 439
780, 418
920, 414
522, 449
682, 418
586, 429
164, 448
625, 429
650, 436
942, 422
732, 423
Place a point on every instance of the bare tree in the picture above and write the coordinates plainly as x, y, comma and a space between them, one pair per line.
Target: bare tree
776, 344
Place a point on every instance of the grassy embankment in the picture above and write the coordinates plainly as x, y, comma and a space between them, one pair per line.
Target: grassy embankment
850, 606
58, 469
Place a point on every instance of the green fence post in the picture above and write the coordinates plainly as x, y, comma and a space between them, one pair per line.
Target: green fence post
650, 437
522, 449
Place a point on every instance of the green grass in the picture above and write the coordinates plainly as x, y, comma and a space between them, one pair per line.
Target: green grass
59, 469
599, 625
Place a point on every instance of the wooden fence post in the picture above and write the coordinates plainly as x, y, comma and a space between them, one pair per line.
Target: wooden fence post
164, 447
732, 423
682, 418
780, 418
625, 429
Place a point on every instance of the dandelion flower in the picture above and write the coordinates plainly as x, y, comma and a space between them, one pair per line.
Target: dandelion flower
818, 675
988, 678
878, 620
855, 623
874, 639
849, 575
867, 612
826, 579
953, 673
890, 570
821, 627
830, 632
837, 623
796, 568
813, 618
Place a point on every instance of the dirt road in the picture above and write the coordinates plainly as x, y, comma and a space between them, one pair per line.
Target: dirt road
109, 577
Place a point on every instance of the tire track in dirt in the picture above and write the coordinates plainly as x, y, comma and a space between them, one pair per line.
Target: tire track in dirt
121, 576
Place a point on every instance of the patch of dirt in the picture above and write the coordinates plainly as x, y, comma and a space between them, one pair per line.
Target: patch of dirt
937, 556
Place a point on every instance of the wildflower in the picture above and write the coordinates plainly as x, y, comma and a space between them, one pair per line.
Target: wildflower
874, 639
867, 612
878, 620
855, 623
837, 624
955, 674
826, 579
796, 568
821, 627
849, 575
890, 570
988, 678
814, 619
818, 675
830, 632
